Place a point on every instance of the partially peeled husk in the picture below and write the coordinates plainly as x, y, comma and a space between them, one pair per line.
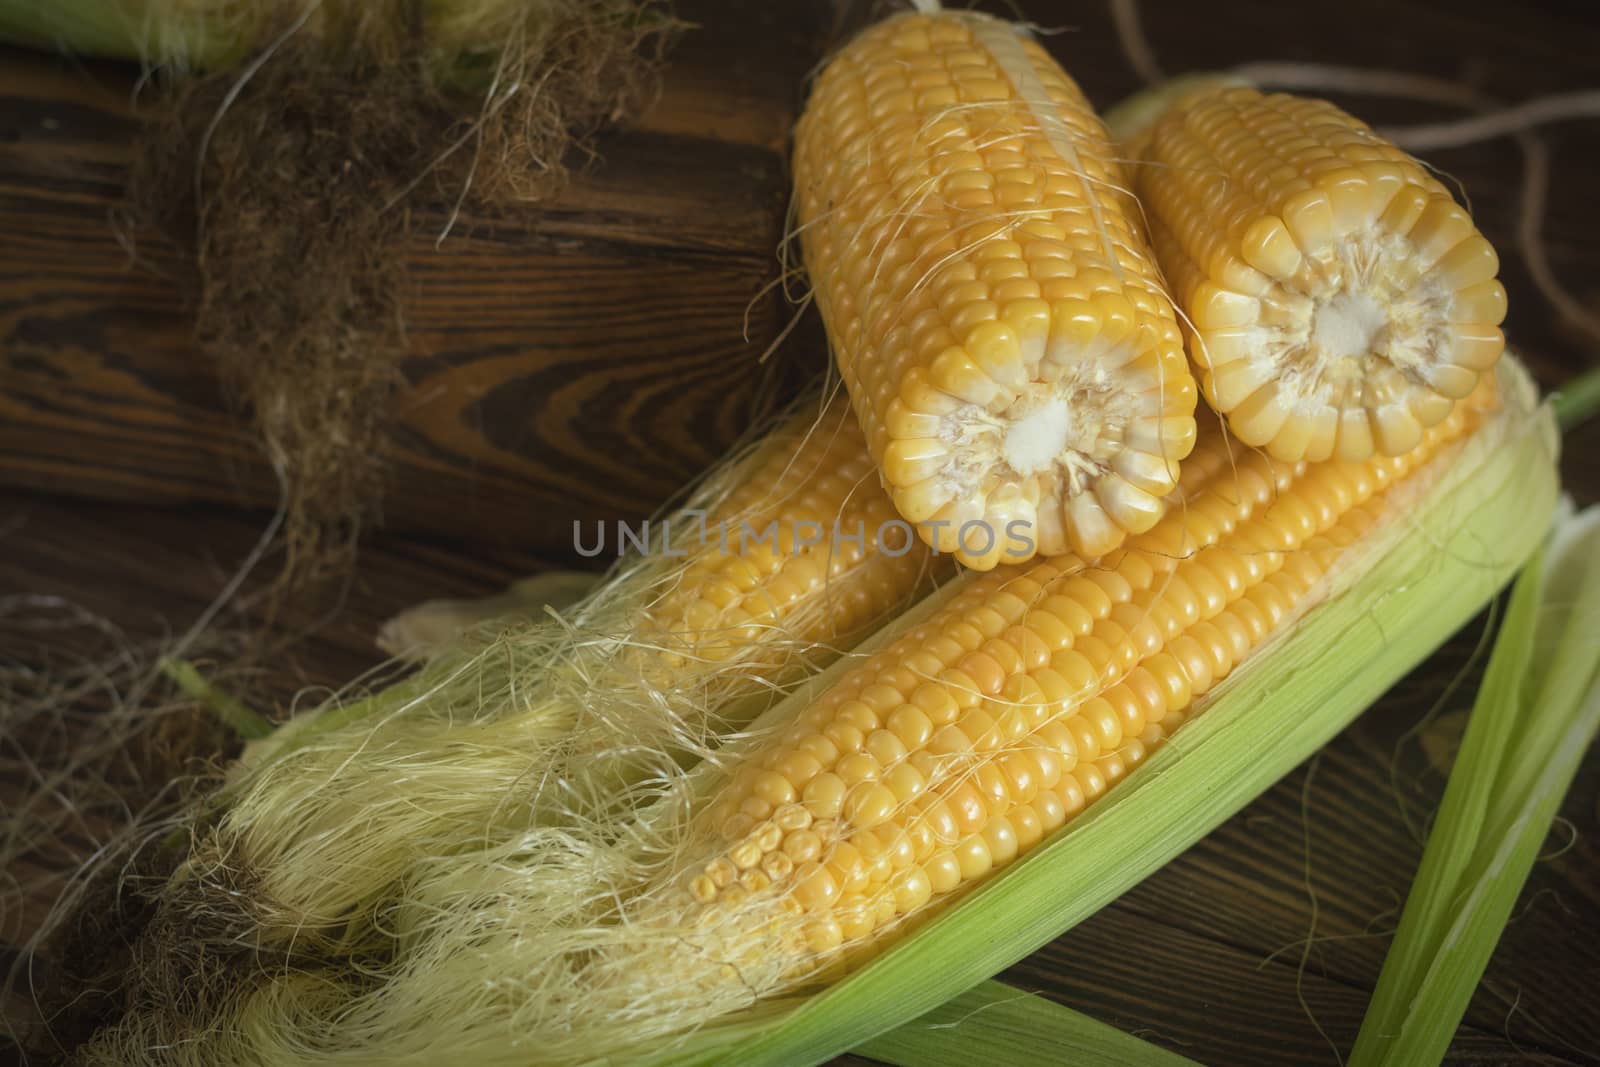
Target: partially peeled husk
997, 1023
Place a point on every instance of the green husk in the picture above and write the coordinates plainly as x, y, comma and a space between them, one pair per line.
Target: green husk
1536, 712
246, 723
186, 34
1576, 401
1139, 112
1475, 515
997, 1023
464, 37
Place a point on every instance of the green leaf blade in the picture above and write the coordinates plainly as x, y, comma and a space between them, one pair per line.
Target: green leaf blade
998, 1023
1535, 715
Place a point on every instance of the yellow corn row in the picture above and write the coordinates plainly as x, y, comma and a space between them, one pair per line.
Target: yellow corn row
1341, 301
967, 740
991, 300
806, 547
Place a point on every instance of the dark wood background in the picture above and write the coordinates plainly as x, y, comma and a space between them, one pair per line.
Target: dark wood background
609, 328
580, 359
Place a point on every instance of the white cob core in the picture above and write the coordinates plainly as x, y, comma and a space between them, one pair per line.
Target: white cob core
1348, 324
1034, 442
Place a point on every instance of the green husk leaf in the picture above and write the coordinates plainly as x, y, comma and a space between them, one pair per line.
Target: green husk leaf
465, 38
246, 723
188, 34
1536, 712
1453, 534
1577, 401
1139, 112
998, 1023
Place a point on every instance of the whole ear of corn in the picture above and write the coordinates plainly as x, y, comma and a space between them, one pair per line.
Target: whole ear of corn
1341, 302
989, 294
772, 569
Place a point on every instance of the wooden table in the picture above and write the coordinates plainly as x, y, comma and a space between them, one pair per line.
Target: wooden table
1207, 957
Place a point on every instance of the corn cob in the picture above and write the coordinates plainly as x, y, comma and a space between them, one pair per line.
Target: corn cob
550, 720
1341, 302
978, 732
995, 311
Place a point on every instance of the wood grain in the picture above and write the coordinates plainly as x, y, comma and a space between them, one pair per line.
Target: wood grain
578, 362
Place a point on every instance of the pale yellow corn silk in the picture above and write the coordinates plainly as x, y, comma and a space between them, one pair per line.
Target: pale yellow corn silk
1340, 301
556, 720
990, 295
982, 721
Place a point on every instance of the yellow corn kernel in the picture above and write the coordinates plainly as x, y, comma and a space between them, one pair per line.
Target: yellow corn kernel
1340, 301
793, 551
995, 311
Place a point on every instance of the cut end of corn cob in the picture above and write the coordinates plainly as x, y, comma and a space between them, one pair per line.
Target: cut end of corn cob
1341, 302
993, 305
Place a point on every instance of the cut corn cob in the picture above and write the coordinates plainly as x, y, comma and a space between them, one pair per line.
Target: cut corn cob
990, 298
1341, 302
552, 720
972, 736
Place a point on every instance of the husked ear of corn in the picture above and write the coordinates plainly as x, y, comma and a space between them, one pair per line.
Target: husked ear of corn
992, 303
1341, 301
770, 571
980, 730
